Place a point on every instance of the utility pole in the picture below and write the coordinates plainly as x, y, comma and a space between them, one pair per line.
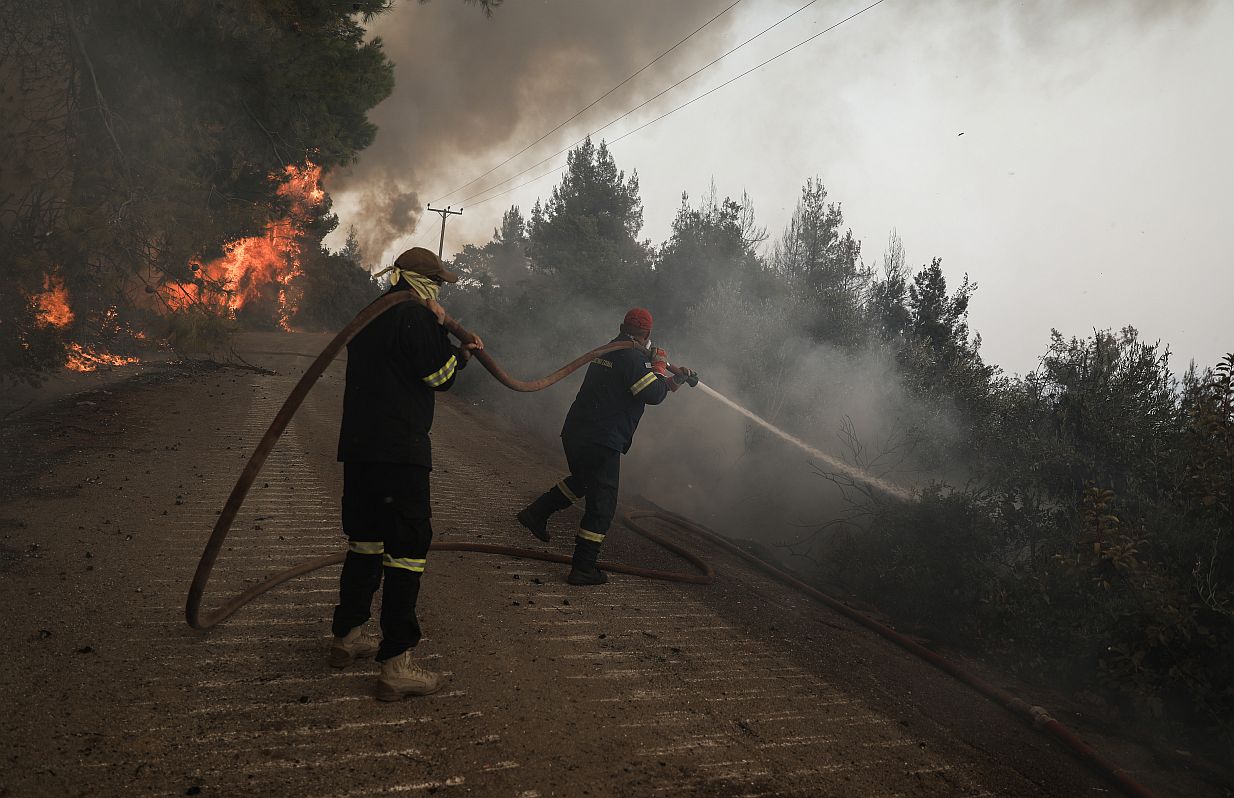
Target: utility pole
444, 213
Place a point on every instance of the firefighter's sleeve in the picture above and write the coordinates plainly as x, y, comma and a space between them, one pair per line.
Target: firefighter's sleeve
432, 356
645, 385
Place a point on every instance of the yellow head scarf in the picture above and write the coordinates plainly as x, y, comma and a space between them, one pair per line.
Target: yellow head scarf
421, 285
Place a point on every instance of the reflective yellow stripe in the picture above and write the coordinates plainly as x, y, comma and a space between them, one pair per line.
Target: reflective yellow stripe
406, 563
366, 547
569, 494
594, 537
647, 379
442, 374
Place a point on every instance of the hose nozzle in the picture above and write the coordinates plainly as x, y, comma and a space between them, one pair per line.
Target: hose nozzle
684, 376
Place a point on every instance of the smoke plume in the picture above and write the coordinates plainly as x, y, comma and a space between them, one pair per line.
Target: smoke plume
471, 89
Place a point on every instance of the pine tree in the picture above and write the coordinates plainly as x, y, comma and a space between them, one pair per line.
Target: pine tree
820, 263
708, 246
586, 235
940, 320
888, 297
351, 248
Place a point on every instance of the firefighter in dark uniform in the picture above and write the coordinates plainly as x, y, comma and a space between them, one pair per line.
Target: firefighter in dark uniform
598, 430
394, 368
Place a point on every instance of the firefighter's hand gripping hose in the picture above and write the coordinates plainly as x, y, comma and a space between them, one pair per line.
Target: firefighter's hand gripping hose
1037, 717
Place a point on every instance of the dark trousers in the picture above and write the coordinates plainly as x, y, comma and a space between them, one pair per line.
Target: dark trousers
595, 472
386, 520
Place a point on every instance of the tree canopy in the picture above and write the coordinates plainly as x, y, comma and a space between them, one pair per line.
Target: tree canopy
586, 234
707, 245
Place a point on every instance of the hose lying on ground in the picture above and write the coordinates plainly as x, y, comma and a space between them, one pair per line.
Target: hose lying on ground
1036, 716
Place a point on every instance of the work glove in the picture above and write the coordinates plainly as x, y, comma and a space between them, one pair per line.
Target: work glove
659, 362
683, 375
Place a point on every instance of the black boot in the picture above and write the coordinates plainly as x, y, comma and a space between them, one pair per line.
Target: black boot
593, 577
583, 570
535, 515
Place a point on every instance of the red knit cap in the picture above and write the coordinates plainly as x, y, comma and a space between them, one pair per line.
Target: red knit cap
638, 319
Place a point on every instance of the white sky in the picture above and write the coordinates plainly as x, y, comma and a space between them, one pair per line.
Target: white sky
1091, 188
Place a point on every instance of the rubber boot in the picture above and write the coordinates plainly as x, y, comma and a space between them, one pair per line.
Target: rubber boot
535, 515
583, 570
346, 650
402, 677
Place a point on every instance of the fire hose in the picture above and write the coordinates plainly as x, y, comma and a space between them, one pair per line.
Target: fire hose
1037, 717
193, 611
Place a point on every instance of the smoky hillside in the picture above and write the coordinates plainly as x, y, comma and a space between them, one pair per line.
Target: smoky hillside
1073, 522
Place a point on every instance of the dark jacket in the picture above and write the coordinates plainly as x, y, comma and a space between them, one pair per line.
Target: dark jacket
393, 368
610, 402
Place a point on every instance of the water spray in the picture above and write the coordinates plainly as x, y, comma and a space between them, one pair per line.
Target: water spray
839, 465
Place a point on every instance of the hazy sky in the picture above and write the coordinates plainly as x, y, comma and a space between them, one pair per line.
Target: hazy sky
1091, 186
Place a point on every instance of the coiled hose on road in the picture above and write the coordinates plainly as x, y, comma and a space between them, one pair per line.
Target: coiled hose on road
1036, 716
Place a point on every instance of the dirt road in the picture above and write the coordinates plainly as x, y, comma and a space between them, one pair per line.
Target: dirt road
743, 688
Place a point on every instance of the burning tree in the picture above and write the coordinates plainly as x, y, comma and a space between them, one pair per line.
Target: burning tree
255, 277
166, 157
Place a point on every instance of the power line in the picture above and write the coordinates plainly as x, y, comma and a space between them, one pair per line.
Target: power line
743, 74
683, 105
706, 66
520, 185
577, 114
445, 212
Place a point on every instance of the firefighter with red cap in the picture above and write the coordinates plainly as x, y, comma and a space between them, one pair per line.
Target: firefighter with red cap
598, 430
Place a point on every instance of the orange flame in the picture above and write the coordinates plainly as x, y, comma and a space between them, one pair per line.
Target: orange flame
52, 306
82, 358
263, 268
52, 309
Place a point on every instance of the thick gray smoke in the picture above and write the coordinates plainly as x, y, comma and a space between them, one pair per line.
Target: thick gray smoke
471, 89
